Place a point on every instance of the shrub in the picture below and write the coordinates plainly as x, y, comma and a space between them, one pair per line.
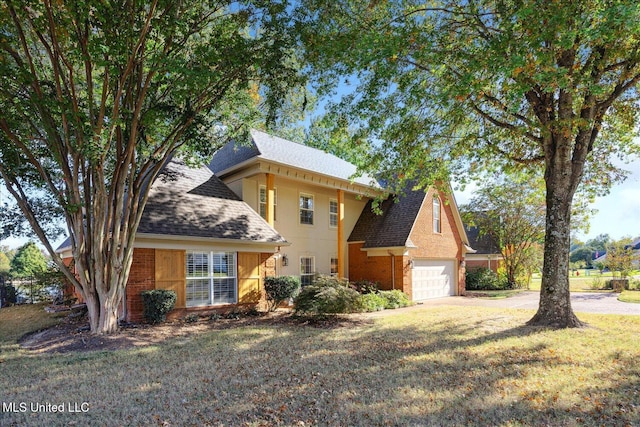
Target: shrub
483, 279
597, 283
9, 295
327, 295
191, 318
279, 289
395, 299
157, 303
372, 302
365, 286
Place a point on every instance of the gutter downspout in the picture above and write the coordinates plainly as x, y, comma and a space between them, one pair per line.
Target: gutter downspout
393, 270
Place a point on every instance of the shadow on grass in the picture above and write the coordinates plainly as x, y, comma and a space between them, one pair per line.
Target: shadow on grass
429, 371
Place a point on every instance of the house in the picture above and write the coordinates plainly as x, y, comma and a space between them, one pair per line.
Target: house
274, 207
417, 244
198, 238
326, 215
487, 252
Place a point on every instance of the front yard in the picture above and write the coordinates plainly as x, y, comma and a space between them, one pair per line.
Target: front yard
431, 366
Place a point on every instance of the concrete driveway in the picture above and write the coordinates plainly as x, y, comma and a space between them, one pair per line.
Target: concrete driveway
581, 302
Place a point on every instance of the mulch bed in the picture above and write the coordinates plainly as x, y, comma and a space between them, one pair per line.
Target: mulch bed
73, 335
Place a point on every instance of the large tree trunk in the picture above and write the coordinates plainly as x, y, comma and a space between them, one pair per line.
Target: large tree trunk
555, 303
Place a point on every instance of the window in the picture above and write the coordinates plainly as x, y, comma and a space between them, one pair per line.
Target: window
333, 213
211, 278
334, 266
306, 209
436, 215
306, 270
263, 202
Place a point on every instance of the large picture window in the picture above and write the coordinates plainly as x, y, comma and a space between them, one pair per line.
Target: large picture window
211, 278
306, 209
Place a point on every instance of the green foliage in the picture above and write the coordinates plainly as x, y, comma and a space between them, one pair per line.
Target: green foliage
8, 293
372, 302
5, 263
97, 96
327, 295
394, 299
28, 261
583, 254
483, 279
157, 303
515, 225
279, 289
597, 283
365, 286
620, 257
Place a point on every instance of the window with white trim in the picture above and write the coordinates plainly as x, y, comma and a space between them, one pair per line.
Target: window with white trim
436, 215
307, 265
263, 202
306, 209
211, 278
334, 266
333, 213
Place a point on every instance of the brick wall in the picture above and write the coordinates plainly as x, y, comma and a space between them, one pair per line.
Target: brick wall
141, 278
446, 245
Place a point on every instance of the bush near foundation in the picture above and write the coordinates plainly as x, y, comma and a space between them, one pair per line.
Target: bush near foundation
328, 295
279, 289
157, 303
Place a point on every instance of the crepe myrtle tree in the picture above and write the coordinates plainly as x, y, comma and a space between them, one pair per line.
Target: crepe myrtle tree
448, 87
97, 96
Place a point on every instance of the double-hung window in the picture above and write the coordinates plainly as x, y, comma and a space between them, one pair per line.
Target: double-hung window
306, 209
263, 202
211, 278
306, 270
333, 213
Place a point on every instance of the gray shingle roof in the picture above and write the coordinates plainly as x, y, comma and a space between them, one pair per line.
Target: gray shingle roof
393, 227
482, 244
194, 203
279, 150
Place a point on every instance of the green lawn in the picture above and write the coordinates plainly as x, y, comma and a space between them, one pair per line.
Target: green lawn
428, 366
580, 283
630, 296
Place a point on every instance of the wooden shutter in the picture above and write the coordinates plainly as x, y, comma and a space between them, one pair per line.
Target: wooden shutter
248, 278
171, 273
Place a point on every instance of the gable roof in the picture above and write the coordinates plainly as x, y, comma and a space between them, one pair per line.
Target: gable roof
393, 226
193, 202
271, 148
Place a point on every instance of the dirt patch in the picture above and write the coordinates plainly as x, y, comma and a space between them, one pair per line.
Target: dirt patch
73, 335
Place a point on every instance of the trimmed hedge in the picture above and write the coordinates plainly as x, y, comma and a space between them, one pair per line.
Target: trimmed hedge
157, 303
483, 279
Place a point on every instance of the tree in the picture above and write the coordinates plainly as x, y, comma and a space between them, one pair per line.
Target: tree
511, 212
448, 87
5, 263
599, 243
96, 97
28, 261
583, 254
620, 256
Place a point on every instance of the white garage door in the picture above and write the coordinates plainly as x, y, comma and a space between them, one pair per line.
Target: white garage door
433, 279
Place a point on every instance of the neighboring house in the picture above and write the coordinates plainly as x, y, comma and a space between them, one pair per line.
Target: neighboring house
487, 252
274, 207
